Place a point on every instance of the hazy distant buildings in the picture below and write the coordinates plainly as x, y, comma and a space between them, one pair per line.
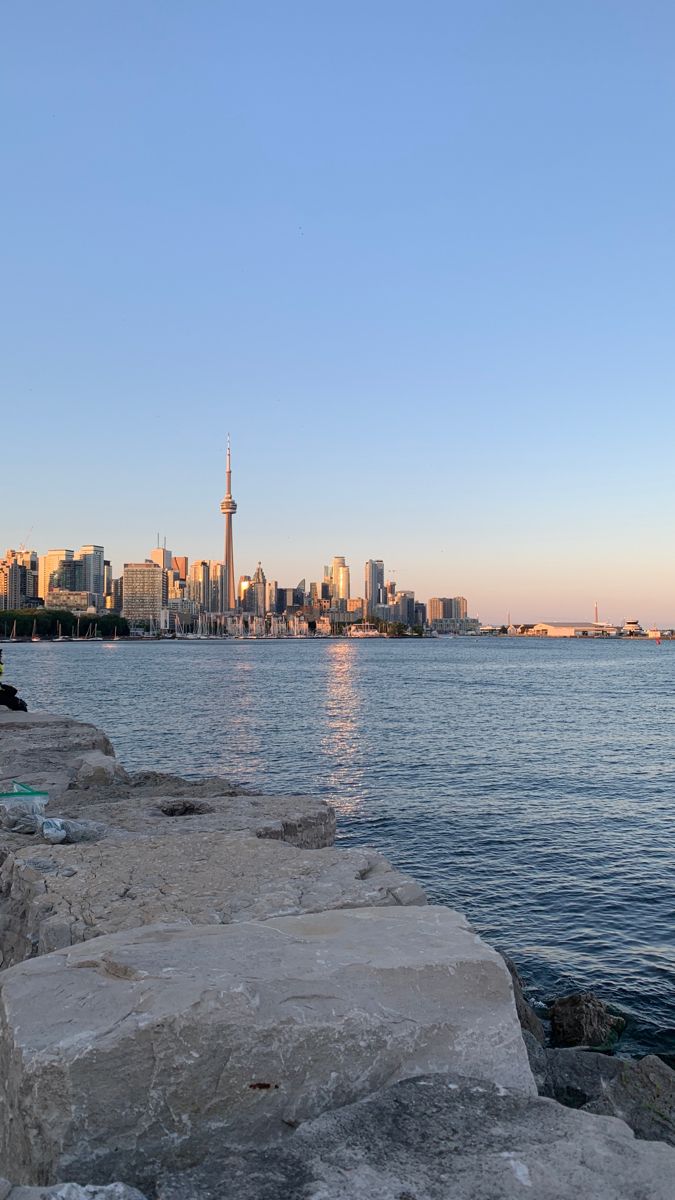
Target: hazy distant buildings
144, 586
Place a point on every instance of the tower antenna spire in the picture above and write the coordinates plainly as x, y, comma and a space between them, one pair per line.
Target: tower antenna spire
228, 508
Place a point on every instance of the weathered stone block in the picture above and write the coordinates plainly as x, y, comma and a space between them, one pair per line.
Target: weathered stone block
142, 1049
56, 896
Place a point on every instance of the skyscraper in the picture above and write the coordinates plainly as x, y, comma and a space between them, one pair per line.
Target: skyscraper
49, 562
374, 583
93, 558
228, 508
339, 578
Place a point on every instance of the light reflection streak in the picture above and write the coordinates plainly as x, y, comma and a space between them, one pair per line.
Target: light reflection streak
342, 743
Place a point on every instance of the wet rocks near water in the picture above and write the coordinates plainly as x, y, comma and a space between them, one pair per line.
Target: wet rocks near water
526, 1014
640, 1092
584, 1020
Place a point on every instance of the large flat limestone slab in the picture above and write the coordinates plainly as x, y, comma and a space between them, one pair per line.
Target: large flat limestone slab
440, 1138
55, 896
76, 764
169, 805
144, 1049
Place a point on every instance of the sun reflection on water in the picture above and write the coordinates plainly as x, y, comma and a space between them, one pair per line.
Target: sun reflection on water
343, 740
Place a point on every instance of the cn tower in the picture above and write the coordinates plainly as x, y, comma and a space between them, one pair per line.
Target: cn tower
228, 508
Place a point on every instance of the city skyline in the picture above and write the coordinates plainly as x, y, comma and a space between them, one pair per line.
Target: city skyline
422, 273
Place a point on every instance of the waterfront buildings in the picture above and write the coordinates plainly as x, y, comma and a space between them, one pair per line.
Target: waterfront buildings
444, 608
70, 601
144, 592
228, 508
571, 629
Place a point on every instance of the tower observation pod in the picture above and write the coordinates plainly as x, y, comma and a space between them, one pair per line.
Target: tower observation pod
228, 508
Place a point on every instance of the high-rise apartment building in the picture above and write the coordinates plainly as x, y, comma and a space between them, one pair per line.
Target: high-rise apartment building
144, 591
447, 608
49, 562
271, 596
374, 583
217, 580
179, 563
69, 576
259, 589
93, 558
18, 579
199, 584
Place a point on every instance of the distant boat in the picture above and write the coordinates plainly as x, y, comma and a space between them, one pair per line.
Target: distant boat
12, 636
364, 630
35, 636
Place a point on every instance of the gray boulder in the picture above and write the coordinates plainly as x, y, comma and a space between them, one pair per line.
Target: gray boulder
439, 1138
639, 1091
55, 753
584, 1020
76, 764
56, 896
140, 1051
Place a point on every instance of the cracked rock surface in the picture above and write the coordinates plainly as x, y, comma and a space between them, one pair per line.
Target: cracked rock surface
139, 1051
439, 1138
76, 764
55, 896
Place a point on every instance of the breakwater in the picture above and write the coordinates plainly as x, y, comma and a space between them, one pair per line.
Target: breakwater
528, 784
200, 997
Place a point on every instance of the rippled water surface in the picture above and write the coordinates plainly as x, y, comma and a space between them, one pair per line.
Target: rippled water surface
530, 784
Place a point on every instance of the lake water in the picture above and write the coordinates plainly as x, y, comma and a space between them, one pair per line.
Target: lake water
529, 783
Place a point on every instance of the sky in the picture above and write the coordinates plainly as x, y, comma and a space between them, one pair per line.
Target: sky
418, 260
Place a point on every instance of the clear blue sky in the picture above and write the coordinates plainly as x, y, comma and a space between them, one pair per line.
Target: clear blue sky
418, 258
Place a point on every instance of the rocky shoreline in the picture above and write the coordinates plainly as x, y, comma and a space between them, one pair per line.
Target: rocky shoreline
202, 997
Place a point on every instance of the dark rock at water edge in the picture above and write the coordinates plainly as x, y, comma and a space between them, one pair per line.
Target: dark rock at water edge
584, 1020
526, 1015
640, 1092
